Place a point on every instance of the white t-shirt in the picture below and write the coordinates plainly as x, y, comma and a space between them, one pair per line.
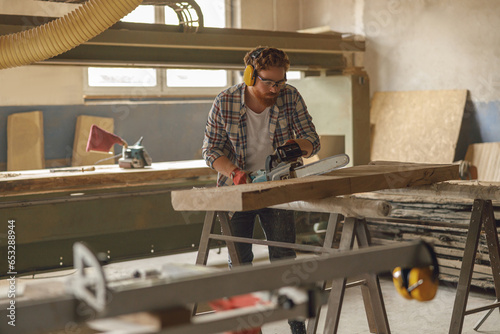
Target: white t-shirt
259, 143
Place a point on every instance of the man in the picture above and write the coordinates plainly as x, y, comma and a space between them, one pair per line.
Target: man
247, 123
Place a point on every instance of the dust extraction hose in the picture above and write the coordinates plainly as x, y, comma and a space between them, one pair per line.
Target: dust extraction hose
62, 34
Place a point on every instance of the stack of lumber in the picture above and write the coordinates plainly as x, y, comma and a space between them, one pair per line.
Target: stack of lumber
439, 219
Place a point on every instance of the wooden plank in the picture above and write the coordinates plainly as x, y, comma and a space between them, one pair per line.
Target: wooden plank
80, 156
347, 206
340, 182
416, 126
25, 142
453, 189
486, 158
104, 177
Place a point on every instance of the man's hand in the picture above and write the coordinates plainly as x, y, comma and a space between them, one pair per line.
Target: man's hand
239, 177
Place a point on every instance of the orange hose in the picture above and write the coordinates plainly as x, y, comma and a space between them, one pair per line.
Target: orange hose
62, 34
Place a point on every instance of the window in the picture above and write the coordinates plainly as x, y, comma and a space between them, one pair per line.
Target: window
196, 78
142, 14
121, 77
151, 81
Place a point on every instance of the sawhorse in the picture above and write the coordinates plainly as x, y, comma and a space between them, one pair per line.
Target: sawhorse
482, 215
353, 229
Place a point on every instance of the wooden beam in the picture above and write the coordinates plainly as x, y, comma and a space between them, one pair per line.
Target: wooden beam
340, 182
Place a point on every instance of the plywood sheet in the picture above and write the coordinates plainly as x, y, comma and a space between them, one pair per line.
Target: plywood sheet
486, 158
25, 143
340, 182
416, 126
80, 156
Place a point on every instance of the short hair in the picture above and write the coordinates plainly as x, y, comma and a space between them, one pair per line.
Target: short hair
264, 57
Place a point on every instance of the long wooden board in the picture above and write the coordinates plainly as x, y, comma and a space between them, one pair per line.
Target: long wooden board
340, 182
103, 177
416, 126
25, 142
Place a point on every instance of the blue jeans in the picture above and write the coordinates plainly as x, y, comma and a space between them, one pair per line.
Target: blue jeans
278, 225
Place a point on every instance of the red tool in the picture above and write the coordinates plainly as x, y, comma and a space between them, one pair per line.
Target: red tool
134, 156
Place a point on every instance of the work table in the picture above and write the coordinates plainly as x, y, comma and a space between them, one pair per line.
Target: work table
102, 177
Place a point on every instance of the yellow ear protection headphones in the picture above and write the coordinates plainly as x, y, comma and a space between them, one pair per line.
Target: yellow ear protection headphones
418, 283
250, 74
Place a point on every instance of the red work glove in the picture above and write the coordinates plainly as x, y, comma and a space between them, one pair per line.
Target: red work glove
239, 177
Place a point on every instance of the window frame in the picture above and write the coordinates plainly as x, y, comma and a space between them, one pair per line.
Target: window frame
161, 89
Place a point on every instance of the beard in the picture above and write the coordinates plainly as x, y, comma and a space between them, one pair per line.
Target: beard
267, 99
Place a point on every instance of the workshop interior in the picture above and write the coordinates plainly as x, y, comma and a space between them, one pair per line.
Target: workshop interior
103, 188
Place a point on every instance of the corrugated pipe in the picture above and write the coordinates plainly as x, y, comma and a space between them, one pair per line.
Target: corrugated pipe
62, 34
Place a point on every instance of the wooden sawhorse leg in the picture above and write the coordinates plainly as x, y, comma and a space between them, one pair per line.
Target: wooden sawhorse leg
372, 294
482, 214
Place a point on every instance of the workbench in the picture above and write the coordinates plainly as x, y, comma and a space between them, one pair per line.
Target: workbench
125, 213
317, 193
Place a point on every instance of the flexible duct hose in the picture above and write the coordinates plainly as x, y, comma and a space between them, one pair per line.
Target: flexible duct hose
62, 34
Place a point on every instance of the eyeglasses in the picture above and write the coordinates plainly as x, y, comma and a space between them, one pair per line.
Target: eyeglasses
271, 84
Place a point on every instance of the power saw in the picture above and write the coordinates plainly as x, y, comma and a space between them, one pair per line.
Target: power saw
286, 163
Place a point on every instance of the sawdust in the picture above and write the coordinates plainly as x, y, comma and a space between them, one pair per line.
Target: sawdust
7, 175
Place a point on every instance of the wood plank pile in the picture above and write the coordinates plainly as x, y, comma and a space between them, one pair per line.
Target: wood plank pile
440, 220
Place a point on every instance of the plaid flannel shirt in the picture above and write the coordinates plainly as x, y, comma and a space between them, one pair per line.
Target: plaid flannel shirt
226, 129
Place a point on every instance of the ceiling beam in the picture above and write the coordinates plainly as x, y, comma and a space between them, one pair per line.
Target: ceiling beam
159, 45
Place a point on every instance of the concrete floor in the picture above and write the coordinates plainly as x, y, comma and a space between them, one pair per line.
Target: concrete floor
405, 316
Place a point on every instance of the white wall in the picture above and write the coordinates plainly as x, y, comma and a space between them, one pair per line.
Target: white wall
340, 15
39, 84
35, 8
442, 44
420, 44
277, 15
